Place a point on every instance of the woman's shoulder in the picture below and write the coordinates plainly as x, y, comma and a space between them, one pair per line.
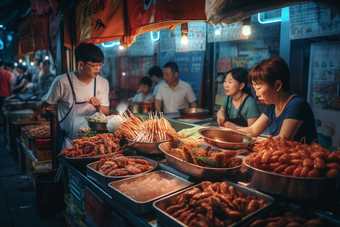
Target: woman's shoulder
297, 100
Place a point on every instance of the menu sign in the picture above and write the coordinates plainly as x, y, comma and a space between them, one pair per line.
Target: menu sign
308, 20
227, 33
144, 46
171, 41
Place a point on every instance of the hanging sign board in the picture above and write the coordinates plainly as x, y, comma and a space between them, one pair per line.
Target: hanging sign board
26, 40
146, 16
100, 21
40, 32
144, 46
54, 26
171, 41
308, 20
227, 33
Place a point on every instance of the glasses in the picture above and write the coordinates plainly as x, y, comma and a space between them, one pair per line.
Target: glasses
95, 66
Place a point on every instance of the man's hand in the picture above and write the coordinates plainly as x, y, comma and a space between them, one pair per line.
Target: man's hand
94, 101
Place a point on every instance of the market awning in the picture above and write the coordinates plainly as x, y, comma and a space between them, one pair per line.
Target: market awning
103, 21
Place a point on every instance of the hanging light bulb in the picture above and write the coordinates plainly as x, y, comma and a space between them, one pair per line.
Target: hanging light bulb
246, 28
121, 48
15, 64
32, 63
20, 61
46, 57
184, 32
24, 63
218, 31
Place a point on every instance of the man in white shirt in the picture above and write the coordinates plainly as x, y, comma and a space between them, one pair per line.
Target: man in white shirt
79, 94
175, 94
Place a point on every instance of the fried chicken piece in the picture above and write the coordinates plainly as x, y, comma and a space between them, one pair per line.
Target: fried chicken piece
221, 157
119, 172
102, 149
178, 153
140, 161
199, 221
133, 169
173, 208
198, 151
143, 168
107, 145
188, 156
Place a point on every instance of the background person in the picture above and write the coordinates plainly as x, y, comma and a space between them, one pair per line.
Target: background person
287, 115
6, 85
145, 84
22, 80
46, 78
78, 94
239, 108
175, 94
156, 75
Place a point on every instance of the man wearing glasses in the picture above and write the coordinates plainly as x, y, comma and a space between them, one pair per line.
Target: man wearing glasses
78, 94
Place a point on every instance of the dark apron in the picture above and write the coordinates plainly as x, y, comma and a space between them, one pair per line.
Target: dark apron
74, 120
239, 120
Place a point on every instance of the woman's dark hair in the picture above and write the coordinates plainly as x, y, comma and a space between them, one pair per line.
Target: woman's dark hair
146, 81
9, 64
88, 52
155, 71
172, 65
240, 75
22, 67
270, 70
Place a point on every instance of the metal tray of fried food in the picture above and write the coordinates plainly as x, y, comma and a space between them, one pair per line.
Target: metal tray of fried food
137, 207
280, 209
197, 171
104, 180
167, 220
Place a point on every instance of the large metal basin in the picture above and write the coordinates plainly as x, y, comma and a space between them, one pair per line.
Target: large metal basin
196, 170
294, 188
146, 148
225, 138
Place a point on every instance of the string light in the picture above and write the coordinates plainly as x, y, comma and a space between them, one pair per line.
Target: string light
20, 61
246, 28
121, 48
32, 63
184, 32
47, 57
24, 63
15, 64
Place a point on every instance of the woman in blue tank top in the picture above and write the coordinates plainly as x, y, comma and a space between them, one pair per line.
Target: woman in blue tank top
287, 115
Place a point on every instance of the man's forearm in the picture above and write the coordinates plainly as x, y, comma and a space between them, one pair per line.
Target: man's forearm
104, 109
158, 105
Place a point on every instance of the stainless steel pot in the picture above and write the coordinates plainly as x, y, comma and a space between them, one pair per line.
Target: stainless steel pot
294, 188
134, 108
33, 104
16, 106
225, 138
21, 115
7, 101
97, 125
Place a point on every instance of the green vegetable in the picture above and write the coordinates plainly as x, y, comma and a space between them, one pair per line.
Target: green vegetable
93, 133
180, 144
206, 162
193, 132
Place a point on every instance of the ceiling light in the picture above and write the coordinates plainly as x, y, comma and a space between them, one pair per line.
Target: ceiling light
15, 64
32, 63
217, 31
184, 32
24, 63
121, 48
246, 28
20, 60
47, 57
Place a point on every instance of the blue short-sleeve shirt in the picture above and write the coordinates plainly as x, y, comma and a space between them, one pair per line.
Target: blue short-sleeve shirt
296, 108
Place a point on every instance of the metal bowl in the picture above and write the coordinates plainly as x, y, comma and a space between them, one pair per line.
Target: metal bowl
225, 138
196, 170
146, 148
194, 111
97, 125
295, 188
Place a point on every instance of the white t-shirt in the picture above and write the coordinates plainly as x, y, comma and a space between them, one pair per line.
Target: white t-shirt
139, 97
177, 98
156, 87
60, 92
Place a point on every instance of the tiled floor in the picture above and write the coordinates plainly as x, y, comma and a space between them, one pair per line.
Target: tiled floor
17, 195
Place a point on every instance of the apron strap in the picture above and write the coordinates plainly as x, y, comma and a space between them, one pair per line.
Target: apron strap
74, 95
228, 108
241, 107
95, 82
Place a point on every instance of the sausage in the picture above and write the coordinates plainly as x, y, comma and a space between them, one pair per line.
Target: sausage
284, 159
314, 222
235, 215
314, 173
278, 153
307, 162
274, 165
294, 224
319, 163
252, 206
265, 157
290, 169
274, 158
332, 165
296, 161
297, 171
297, 155
191, 193
332, 173
333, 156
275, 224
258, 159
224, 187
259, 223
281, 168
317, 154
305, 171
202, 195
226, 201
216, 187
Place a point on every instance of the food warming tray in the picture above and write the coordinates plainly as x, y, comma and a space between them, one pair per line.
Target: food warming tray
169, 221
264, 214
104, 180
136, 207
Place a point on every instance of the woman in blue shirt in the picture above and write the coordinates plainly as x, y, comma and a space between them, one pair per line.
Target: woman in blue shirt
287, 115
239, 108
